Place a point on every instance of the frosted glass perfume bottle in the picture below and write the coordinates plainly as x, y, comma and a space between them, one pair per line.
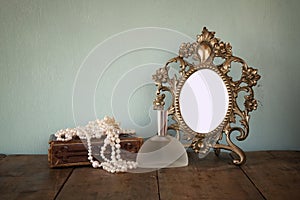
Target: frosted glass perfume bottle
162, 150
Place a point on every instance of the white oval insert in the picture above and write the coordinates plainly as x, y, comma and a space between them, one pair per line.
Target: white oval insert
203, 101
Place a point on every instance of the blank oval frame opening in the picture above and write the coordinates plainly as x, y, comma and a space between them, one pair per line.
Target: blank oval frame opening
203, 101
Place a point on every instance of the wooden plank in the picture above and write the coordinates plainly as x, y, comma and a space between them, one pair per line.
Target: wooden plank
29, 177
88, 183
208, 178
276, 173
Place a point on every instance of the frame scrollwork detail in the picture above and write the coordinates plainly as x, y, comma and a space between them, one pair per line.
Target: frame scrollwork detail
203, 53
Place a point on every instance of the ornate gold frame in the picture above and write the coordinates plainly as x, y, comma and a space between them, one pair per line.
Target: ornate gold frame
204, 51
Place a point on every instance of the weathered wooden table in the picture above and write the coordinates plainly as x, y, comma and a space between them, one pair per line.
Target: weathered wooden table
266, 175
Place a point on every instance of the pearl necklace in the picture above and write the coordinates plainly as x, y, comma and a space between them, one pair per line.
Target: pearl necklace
96, 129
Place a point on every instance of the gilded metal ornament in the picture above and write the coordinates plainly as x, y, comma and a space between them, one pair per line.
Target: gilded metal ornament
203, 52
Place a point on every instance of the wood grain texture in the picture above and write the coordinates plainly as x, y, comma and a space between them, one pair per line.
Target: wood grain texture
29, 177
266, 175
208, 178
275, 173
88, 183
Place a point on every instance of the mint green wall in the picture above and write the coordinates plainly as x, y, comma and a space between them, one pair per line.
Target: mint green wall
43, 43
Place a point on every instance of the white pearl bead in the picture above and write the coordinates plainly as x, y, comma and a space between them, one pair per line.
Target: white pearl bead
95, 164
97, 129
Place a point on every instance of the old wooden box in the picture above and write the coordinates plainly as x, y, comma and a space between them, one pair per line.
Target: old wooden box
74, 152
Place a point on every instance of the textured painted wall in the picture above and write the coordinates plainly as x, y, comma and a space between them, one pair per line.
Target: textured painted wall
43, 44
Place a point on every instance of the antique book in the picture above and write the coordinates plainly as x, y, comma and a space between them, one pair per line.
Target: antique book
74, 152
